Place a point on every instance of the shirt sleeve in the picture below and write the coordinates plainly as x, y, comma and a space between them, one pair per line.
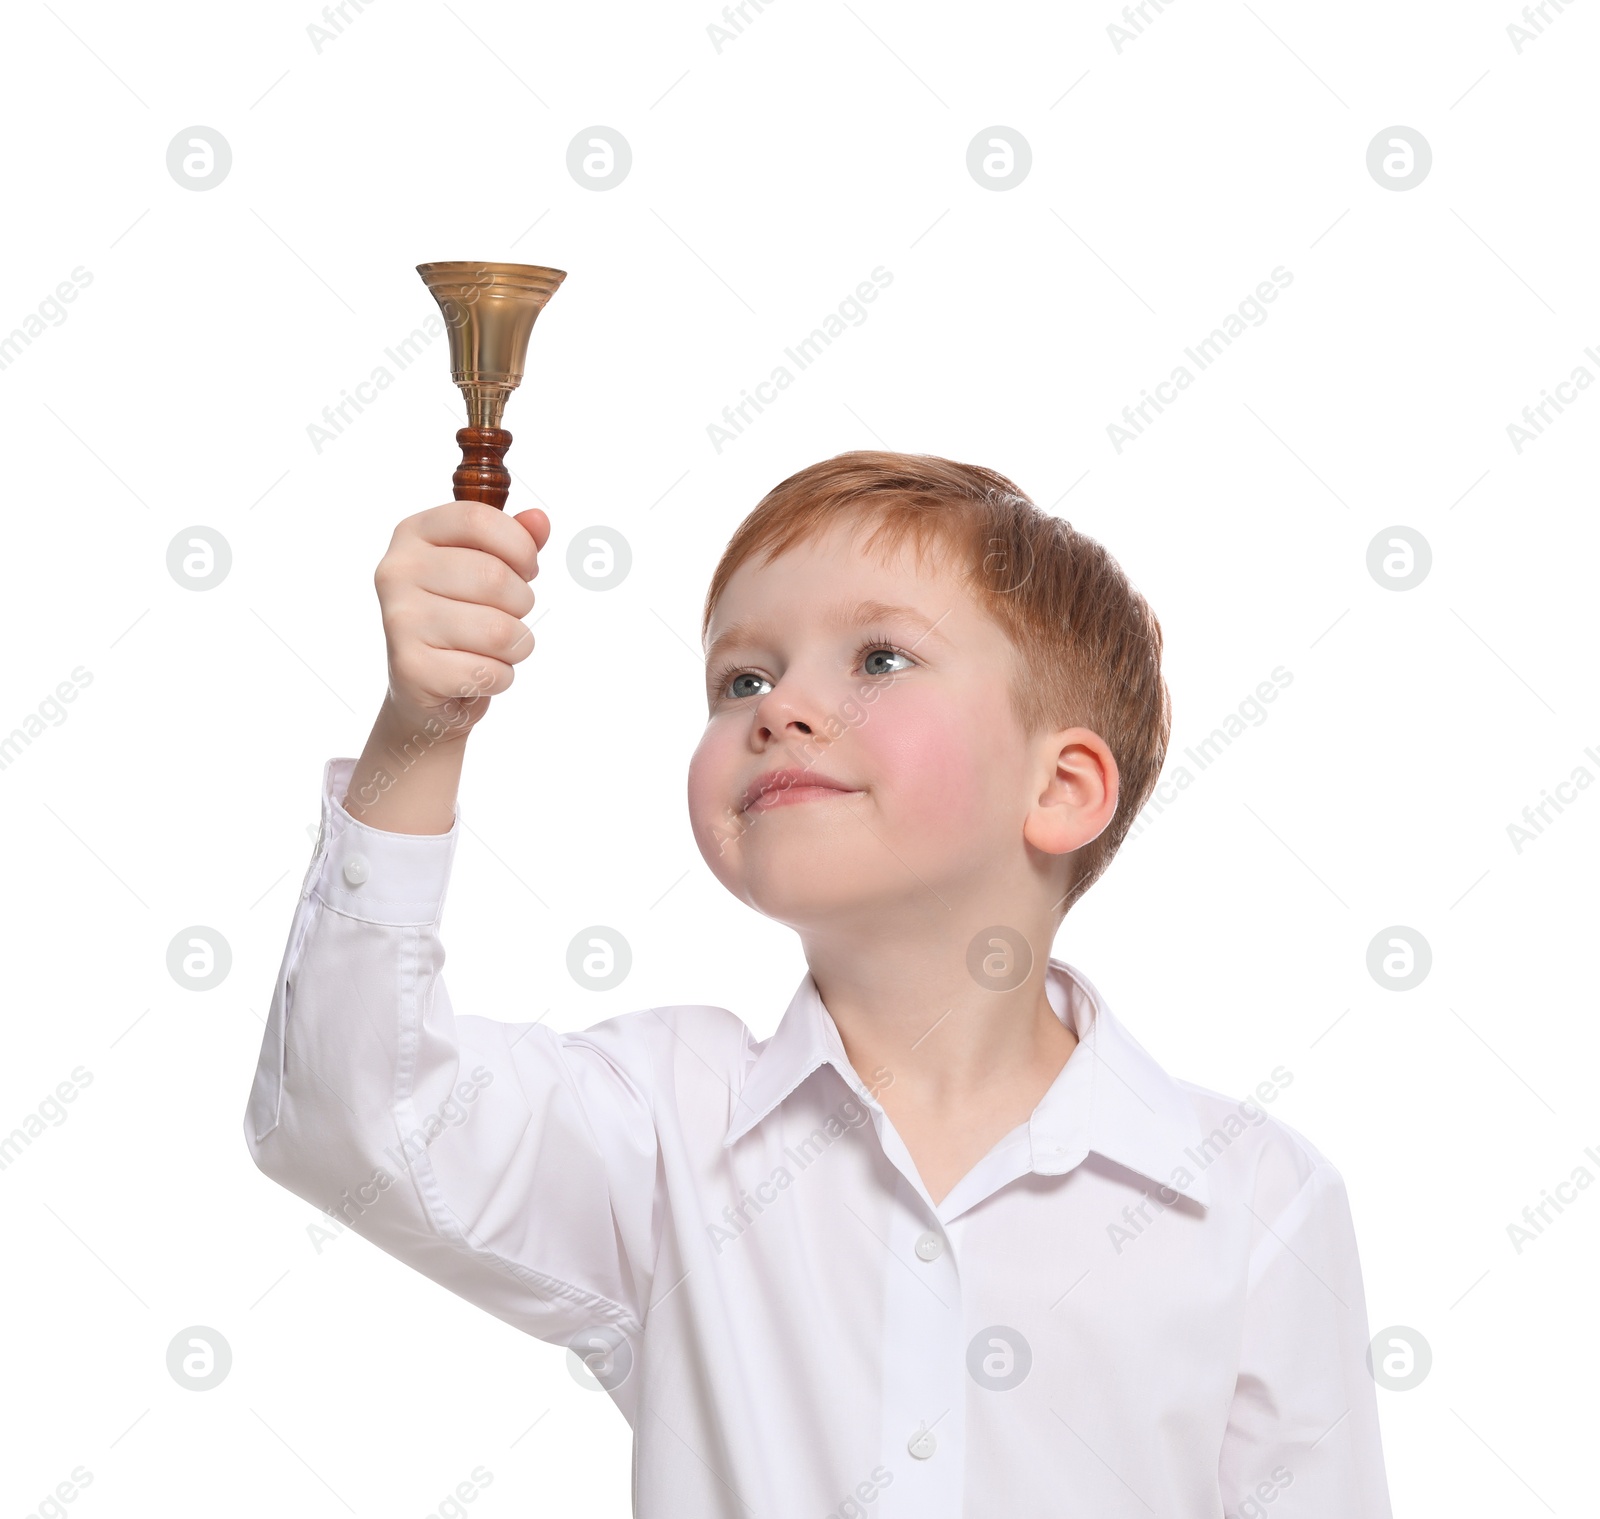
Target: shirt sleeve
511, 1163
1302, 1439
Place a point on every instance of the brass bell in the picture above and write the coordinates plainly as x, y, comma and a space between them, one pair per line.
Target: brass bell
489, 311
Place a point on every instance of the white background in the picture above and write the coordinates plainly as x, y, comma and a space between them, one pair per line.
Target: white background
768, 179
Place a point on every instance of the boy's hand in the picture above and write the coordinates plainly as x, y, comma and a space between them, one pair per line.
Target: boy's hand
453, 587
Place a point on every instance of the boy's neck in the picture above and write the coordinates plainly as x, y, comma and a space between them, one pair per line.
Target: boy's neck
945, 1039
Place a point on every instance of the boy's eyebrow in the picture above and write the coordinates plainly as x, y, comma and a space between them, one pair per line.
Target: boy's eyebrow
843, 614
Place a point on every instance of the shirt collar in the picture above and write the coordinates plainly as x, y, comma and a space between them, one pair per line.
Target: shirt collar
1110, 1098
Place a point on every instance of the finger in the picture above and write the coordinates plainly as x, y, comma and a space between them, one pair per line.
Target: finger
473, 525
472, 575
461, 627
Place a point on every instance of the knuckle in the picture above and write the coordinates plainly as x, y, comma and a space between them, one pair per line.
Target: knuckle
487, 578
413, 528
476, 514
394, 572
506, 630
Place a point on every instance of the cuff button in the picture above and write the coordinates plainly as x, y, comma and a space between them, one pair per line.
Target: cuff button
356, 870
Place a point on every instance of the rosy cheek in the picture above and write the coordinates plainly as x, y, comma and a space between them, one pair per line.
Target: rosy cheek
715, 773
927, 759
705, 767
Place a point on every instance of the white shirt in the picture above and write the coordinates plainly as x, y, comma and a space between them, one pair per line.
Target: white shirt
1145, 1300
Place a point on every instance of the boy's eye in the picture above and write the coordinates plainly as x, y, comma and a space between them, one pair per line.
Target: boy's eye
872, 654
732, 683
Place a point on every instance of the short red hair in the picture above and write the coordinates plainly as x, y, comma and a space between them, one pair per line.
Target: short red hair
1089, 646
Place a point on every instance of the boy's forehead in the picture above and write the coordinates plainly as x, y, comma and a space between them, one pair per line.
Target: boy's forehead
836, 585
832, 573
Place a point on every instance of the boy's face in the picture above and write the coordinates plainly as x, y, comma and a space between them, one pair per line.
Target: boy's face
938, 776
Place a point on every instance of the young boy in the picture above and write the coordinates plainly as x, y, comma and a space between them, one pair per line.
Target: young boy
950, 1242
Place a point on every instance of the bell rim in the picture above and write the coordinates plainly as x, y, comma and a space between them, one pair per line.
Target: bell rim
451, 275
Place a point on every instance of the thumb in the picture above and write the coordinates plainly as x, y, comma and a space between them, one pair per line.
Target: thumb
537, 523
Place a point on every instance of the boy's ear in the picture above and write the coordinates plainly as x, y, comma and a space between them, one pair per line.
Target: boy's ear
1078, 793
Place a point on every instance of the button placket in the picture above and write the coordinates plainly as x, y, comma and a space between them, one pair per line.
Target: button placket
924, 1374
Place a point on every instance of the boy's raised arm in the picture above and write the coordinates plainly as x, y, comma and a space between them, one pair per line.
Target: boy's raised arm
509, 1162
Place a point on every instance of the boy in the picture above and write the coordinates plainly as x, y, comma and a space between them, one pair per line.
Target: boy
950, 1242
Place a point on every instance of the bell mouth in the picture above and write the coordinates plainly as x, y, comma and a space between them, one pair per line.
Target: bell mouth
459, 276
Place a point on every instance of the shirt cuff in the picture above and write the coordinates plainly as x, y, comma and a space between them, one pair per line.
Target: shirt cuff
373, 875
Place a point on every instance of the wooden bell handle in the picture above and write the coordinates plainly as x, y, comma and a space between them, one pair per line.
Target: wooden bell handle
482, 475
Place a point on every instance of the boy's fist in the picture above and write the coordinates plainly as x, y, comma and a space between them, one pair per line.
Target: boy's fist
453, 588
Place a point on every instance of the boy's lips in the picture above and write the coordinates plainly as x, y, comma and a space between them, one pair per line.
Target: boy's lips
773, 787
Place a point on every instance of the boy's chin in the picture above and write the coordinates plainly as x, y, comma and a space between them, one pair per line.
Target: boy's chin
810, 896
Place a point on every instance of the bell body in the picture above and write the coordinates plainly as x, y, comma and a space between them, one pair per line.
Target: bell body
489, 310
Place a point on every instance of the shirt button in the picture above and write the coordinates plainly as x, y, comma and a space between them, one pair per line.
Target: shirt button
356, 870
921, 1445
929, 1246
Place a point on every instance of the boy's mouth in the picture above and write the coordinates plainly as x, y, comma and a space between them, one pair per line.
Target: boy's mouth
776, 788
